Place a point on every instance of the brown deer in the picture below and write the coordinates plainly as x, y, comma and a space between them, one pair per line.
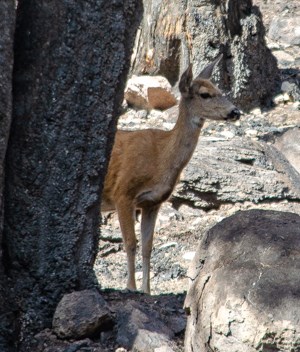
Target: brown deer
145, 165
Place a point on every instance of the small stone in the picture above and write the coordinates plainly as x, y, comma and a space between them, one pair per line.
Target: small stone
251, 133
164, 349
287, 86
286, 98
256, 112
279, 99
81, 314
139, 275
189, 255
149, 92
228, 134
168, 245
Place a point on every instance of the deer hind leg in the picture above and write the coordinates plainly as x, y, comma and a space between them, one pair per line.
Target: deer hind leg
149, 216
126, 214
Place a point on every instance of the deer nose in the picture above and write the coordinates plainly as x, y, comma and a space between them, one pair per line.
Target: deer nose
234, 114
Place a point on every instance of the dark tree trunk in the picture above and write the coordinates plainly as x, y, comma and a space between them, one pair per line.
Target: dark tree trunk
71, 60
174, 33
7, 25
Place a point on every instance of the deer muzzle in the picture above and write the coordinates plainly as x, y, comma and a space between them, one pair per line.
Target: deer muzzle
233, 115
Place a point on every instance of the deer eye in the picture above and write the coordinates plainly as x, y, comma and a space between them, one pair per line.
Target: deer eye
205, 95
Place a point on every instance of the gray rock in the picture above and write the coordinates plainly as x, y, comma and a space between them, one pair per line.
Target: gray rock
81, 314
146, 92
289, 145
285, 31
245, 288
284, 38
284, 58
141, 330
216, 172
292, 89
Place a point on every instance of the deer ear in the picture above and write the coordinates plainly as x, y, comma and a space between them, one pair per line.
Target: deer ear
186, 80
208, 70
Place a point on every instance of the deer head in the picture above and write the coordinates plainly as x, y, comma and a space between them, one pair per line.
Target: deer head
202, 98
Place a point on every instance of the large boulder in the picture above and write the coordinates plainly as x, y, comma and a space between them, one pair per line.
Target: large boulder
149, 92
215, 174
245, 288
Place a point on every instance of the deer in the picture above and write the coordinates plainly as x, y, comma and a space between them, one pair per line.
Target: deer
145, 165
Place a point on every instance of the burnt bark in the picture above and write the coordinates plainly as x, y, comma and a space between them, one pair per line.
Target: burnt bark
7, 25
71, 61
174, 33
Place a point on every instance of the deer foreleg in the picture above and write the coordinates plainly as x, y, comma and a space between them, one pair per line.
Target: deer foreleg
126, 214
149, 216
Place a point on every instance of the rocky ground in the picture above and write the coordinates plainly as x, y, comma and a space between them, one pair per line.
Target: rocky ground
179, 228
181, 224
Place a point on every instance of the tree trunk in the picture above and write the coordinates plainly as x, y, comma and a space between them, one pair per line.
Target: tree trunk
71, 60
7, 25
174, 33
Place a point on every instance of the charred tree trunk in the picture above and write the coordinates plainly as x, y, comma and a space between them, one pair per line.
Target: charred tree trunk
7, 25
174, 33
71, 60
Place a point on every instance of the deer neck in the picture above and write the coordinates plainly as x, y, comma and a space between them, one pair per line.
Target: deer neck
183, 138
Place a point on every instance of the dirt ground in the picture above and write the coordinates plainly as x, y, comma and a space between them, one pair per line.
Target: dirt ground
178, 231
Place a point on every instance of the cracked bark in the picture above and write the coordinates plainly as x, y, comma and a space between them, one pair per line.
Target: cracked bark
175, 33
71, 61
7, 25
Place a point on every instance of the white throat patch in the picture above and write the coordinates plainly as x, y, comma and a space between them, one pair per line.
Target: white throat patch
197, 121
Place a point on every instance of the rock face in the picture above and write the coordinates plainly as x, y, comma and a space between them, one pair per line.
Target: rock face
245, 289
213, 176
284, 34
289, 145
286, 31
141, 330
81, 314
149, 92
173, 33
281, 19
